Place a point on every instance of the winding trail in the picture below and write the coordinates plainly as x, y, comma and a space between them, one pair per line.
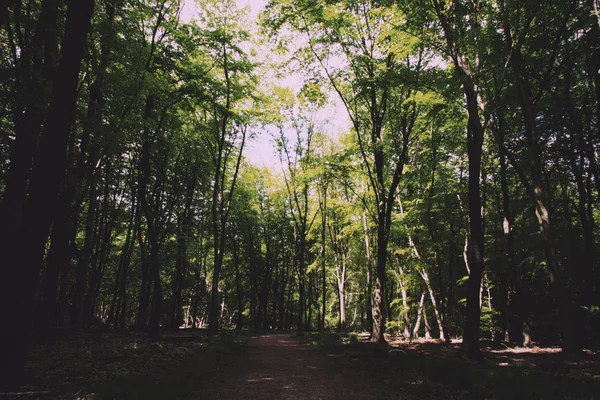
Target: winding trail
277, 367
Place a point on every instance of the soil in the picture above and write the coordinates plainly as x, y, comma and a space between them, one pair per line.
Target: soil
279, 367
187, 365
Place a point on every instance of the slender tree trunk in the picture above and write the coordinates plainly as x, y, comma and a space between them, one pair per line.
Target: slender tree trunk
213, 322
475, 135
58, 259
120, 291
146, 283
476, 242
342, 300
238, 287
419, 316
175, 318
341, 283
378, 331
507, 230
438, 317
143, 210
425, 276
301, 278
369, 285
587, 269
405, 310
221, 203
323, 274
103, 245
81, 272
426, 323
157, 297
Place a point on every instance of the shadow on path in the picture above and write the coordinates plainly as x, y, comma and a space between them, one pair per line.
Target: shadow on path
277, 367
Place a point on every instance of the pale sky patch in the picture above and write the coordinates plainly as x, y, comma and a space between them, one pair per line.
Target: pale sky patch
260, 151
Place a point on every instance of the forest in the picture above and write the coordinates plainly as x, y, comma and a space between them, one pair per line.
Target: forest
434, 171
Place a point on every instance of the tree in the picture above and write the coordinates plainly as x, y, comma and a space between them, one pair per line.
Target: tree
374, 66
296, 159
28, 247
228, 125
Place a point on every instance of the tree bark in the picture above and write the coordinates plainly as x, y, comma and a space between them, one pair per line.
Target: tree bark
405, 310
475, 135
535, 189
18, 289
415, 332
369, 270
323, 274
34, 81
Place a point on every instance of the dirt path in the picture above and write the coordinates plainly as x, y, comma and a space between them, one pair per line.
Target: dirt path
277, 367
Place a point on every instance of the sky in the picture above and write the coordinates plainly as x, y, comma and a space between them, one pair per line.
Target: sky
260, 151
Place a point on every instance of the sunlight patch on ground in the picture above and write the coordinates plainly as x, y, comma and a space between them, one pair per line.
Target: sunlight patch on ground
260, 379
527, 350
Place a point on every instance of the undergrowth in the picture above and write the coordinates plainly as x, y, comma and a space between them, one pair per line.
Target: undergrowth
452, 376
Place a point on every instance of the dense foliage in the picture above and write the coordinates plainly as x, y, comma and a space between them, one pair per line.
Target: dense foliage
461, 203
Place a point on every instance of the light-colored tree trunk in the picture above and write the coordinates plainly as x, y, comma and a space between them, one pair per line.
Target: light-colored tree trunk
438, 317
369, 270
419, 316
489, 301
342, 296
426, 321
424, 275
340, 275
355, 310
405, 319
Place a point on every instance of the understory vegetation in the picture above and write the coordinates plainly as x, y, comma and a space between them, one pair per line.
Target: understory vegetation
434, 370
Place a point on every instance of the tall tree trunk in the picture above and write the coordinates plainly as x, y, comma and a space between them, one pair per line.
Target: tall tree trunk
81, 272
221, 203
436, 311
175, 318
238, 287
18, 289
149, 210
143, 209
405, 309
379, 306
301, 279
586, 270
58, 259
157, 297
323, 274
368, 285
475, 135
34, 82
415, 332
120, 292
476, 243
341, 283
507, 231
535, 189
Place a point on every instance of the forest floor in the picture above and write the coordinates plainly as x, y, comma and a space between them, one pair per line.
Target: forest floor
105, 365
